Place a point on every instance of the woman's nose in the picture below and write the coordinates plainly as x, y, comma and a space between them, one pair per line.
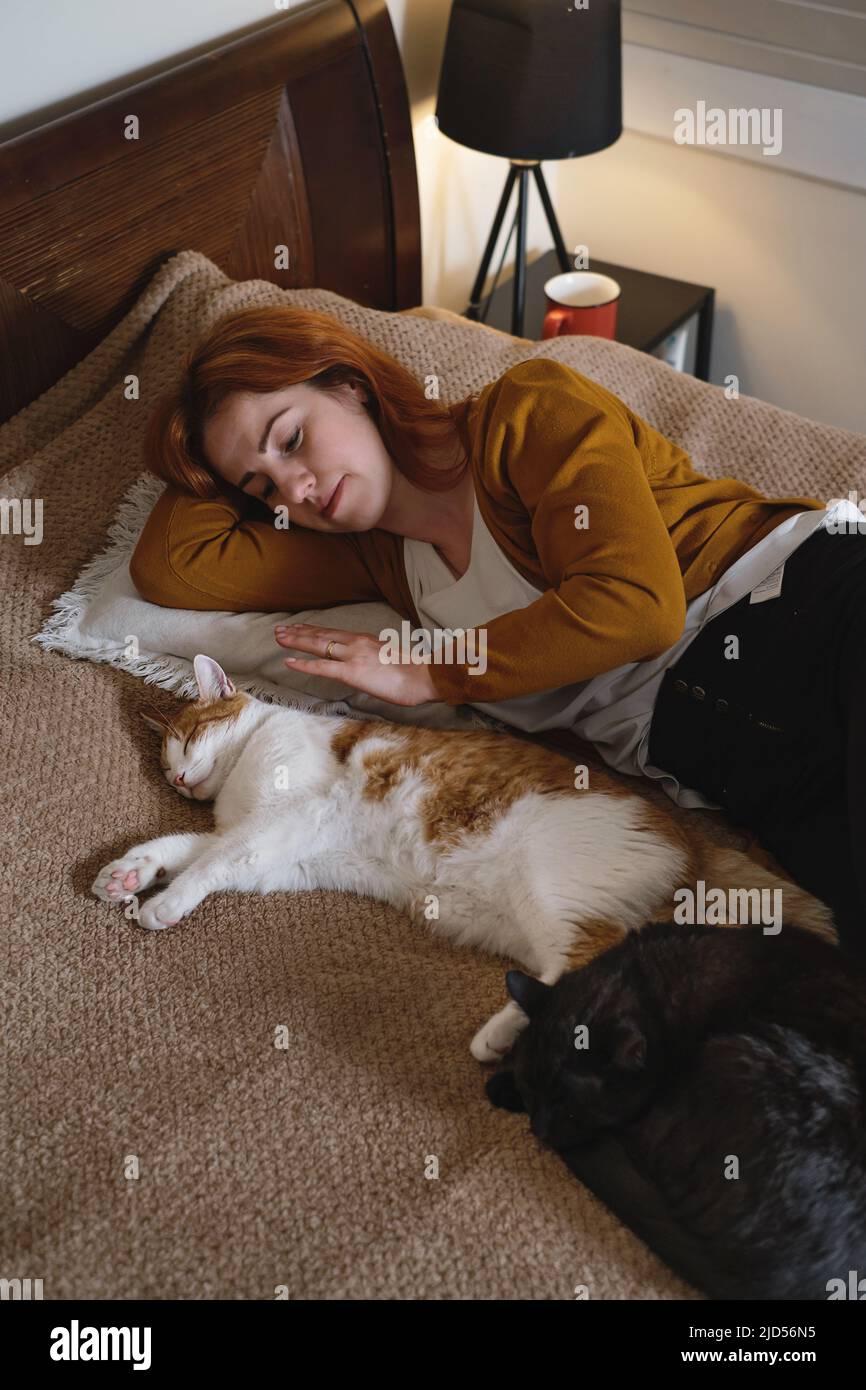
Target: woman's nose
296, 482
302, 489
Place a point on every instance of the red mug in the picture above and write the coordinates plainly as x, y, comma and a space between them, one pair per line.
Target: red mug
581, 301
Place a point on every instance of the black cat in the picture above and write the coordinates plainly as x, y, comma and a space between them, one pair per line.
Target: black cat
715, 1101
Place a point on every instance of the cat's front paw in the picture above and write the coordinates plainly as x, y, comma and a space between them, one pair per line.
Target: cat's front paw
499, 1034
131, 874
482, 1049
164, 910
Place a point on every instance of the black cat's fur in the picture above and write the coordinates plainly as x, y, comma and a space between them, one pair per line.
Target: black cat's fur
706, 1045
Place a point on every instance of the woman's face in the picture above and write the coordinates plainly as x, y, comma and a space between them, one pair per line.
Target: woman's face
316, 452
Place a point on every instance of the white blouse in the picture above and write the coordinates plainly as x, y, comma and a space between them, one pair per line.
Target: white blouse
611, 711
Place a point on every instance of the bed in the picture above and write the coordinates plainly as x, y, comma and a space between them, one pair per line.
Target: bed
166, 1142
298, 135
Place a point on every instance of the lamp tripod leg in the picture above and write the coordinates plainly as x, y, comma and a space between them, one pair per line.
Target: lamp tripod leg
518, 172
518, 302
475, 297
559, 244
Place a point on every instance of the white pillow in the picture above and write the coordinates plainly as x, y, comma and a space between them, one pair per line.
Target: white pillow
104, 618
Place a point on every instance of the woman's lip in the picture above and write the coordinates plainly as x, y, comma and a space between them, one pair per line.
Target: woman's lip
331, 504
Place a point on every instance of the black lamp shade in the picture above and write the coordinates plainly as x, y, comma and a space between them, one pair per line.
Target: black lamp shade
532, 79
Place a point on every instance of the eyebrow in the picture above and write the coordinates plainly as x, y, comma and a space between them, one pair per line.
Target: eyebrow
263, 442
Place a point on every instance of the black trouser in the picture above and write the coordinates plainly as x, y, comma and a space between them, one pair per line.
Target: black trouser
778, 736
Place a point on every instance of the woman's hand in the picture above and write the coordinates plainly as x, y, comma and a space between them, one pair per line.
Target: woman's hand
355, 659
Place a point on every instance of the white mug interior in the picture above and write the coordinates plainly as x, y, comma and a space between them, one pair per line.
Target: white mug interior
581, 289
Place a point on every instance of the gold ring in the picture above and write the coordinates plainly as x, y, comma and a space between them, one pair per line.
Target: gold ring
328, 648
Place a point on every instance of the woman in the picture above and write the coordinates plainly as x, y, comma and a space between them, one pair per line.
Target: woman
607, 586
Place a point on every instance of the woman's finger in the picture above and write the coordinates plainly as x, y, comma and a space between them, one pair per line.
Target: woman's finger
318, 666
310, 642
340, 634
400, 685
307, 637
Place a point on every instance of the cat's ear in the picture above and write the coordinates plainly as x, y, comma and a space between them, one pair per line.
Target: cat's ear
213, 683
529, 993
630, 1048
502, 1091
156, 719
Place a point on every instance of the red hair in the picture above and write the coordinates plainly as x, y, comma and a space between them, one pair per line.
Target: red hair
270, 348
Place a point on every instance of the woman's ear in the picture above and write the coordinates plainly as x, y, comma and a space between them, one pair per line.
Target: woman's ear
502, 1091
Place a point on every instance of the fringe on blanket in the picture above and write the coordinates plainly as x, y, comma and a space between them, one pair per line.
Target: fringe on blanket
62, 631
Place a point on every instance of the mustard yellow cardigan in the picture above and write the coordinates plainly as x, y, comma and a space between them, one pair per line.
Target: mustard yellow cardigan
588, 501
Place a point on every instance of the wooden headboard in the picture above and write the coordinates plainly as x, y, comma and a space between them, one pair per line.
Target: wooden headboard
296, 136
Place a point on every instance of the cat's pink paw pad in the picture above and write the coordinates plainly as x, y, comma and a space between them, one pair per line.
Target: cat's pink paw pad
131, 874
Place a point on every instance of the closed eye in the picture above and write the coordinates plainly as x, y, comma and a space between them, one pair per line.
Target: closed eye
288, 448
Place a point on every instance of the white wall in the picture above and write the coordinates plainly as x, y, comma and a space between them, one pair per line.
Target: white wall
784, 250
781, 251
53, 51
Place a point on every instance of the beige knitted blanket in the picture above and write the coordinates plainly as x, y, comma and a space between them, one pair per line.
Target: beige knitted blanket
156, 1142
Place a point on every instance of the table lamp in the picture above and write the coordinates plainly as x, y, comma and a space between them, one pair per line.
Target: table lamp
530, 80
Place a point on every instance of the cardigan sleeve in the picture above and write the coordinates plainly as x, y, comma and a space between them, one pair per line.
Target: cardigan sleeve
201, 553
566, 471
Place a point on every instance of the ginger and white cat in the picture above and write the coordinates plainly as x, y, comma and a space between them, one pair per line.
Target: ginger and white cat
480, 835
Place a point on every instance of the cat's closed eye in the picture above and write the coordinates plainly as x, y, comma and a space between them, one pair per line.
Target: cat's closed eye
575, 1078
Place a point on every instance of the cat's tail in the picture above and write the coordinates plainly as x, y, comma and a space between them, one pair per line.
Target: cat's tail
732, 870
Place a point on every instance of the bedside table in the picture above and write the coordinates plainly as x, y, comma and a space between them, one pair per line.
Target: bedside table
651, 307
